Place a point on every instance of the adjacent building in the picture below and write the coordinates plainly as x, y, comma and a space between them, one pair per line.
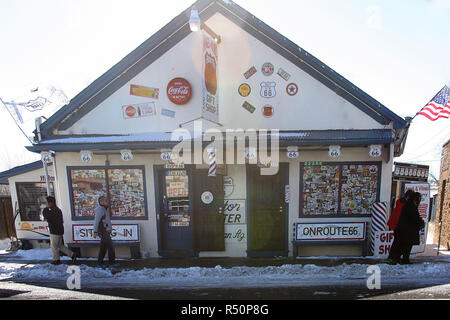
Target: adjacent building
442, 221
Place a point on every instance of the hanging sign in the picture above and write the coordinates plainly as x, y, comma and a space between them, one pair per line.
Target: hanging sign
127, 155
267, 69
375, 150
46, 157
292, 89
138, 110
334, 151
210, 109
144, 91
268, 89
244, 90
86, 156
179, 91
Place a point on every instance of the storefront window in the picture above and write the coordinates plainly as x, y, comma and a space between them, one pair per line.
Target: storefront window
126, 191
339, 189
123, 186
320, 189
31, 197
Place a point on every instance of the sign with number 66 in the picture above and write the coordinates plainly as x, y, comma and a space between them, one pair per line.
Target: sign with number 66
292, 154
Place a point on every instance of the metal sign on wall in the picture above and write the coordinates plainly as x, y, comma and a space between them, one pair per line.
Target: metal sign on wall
330, 231
120, 232
411, 172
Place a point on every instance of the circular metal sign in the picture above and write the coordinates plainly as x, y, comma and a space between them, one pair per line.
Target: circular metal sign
267, 69
292, 89
179, 91
244, 90
207, 197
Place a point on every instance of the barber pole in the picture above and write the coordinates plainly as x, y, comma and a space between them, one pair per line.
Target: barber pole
379, 219
212, 163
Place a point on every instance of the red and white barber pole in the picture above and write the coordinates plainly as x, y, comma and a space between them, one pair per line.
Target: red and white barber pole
212, 163
379, 221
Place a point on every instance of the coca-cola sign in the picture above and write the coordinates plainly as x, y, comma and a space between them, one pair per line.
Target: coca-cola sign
179, 91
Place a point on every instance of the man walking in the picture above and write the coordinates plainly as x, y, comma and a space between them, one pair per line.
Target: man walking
53, 215
103, 228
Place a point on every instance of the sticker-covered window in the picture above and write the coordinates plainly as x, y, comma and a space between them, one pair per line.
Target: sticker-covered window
339, 189
124, 187
320, 189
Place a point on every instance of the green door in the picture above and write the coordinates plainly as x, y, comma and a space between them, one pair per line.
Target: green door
267, 212
208, 217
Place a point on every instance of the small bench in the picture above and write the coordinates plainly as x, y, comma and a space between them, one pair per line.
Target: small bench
133, 245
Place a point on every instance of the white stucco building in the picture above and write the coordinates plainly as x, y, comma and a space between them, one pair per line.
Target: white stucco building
254, 78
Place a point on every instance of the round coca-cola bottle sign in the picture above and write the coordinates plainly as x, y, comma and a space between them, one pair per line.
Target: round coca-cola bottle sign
179, 91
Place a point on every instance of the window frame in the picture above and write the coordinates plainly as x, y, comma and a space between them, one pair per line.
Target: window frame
19, 197
106, 168
340, 164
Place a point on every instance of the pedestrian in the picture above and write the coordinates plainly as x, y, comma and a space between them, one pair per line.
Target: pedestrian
393, 221
103, 229
407, 230
53, 215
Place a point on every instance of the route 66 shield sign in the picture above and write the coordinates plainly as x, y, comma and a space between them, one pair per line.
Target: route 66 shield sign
268, 89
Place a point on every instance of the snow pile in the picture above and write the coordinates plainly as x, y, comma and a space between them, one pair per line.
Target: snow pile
37, 254
289, 274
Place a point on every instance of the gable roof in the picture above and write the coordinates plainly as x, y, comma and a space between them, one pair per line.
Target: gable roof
176, 30
19, 170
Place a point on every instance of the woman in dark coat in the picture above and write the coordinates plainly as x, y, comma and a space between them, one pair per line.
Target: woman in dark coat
408, 228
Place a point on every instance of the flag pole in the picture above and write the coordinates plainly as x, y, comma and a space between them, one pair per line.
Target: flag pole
15, 121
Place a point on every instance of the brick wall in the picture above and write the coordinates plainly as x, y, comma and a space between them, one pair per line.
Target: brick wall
443, 202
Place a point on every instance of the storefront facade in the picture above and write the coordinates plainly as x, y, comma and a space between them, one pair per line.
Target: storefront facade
335, 144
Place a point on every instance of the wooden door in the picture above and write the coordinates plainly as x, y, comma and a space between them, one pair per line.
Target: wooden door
208, 217
267, 212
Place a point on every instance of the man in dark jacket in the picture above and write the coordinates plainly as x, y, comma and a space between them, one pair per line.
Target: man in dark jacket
53, 215
408, 227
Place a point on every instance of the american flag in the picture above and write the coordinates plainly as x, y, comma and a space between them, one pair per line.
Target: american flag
439, 106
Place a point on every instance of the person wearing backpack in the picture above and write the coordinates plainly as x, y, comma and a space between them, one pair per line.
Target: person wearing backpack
103, 229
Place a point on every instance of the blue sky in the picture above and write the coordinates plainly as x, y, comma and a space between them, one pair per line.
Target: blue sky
396, 51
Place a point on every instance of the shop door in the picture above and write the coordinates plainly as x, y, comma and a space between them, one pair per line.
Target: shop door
6, 218
175, 223
209, 220
267, 212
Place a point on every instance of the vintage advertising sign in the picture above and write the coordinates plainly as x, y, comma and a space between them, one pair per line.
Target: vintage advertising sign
411, 172
138, 110
247, 106
244, 90
250, 72
283, 74
142, 91
267, 69
330, 231
292, 89
267, 111
179, 91
168, 113
120, 232
210, 109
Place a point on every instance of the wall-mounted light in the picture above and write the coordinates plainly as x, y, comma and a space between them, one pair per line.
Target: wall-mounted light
195, 24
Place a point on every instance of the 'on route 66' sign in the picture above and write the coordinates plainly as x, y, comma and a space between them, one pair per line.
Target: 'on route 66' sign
268, 89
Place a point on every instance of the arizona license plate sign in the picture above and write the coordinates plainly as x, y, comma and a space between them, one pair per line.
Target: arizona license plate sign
330, 231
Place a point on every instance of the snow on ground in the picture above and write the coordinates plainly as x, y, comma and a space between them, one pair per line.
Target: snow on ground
242, 276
